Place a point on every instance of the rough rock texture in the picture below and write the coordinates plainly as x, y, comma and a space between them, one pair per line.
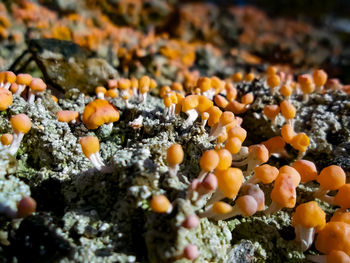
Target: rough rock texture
57, 58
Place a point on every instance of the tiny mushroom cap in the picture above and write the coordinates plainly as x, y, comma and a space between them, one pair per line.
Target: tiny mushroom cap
190, 102
134, 83
164, 91
204, 103
229, 181
160, 204
236, 107
124, 84
309, 215
26, 207
231, 92
214, 115
209, 160
286, 90
320, 77
144, 83
89, 145
247, 204
271, 111
177, 86
153, 84
112, 93
100, 89
175, 154
287, 133
191, 252
304, 79
99, 112
220, 101
271, 70
306, 169
265, 173
167, 101
306, 83
341, 216
6, 139
259, 153
5, 99
67, 115
342, 198
225, 159
14, 88
334, 236
20, 123
210, 182
237, 132
300, 142
10, 77
233, 144
204, 83
287, 109
249, 77
37, 85
54, 98
284, 193
291, 172
112, 83
273, 81
275, 144
217, 84
247, 98
192, 221
255, 191
226, 118
308, 219
23, 79
221, 208
237, 77
332, 177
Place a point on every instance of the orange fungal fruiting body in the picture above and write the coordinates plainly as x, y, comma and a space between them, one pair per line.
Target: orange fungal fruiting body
5, 99
334, 236
160, 204
89, 145
99, 112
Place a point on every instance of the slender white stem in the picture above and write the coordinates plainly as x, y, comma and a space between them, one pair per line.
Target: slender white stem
243, 153
93, 159
166, 112
31, 97
135, 91
273, 208
216, 132
16, 142
305, 236
173, 171
20, 89
7, 85
192, 116
100, 95
217, 196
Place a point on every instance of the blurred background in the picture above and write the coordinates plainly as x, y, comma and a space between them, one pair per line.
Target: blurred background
212, 37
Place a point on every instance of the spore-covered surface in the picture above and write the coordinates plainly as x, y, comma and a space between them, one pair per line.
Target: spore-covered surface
86, 214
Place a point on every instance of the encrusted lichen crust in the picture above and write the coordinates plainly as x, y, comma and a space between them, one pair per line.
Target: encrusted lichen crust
107, 218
